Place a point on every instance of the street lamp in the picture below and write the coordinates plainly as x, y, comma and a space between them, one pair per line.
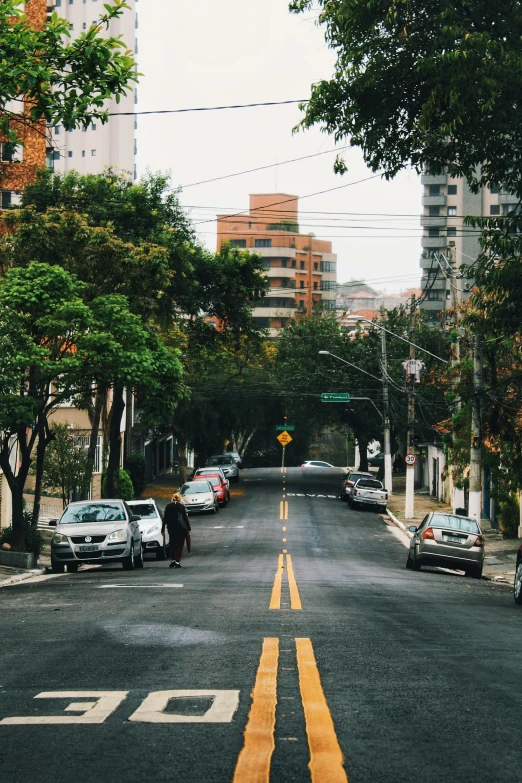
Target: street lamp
386, 418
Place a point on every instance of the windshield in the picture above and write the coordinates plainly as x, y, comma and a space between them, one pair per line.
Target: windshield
221, 461
369, 484
455, 523
196, 488
93, 512
143, 510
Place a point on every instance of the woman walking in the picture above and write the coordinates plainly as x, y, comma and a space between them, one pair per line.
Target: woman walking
176, 520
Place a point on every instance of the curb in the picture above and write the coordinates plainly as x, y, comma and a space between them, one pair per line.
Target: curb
21, 577
399, 524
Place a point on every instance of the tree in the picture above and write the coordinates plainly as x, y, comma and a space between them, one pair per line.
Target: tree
61, 81
65, 463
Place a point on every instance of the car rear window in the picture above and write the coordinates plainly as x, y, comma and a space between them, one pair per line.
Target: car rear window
213, 480
369, 484
356, 476
455, 523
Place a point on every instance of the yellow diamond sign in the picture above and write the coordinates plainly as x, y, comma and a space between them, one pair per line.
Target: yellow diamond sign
284, 438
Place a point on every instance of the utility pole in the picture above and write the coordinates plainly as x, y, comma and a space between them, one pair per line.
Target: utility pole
409, 510
475, 468
386, 405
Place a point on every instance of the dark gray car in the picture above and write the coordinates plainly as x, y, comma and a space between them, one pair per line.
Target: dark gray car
227, 463
449, 541
96, 531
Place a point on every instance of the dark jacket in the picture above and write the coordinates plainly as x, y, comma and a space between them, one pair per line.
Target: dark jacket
175, 519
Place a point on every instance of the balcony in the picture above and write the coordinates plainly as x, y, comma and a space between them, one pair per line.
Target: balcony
507, 198
273, 252
433, 221
434, 201
434, 285
434, 179
434, 242
281, 271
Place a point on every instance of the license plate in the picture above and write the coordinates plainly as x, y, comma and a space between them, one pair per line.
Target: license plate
453, 539
88, 548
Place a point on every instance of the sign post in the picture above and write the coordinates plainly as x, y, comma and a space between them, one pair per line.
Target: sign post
410, 460
284, 439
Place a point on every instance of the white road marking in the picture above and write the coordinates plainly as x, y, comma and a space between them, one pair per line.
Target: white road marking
222, 709
403, 538
110, 587
46, 577
93, 711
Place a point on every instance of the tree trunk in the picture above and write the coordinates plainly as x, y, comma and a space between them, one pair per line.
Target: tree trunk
182, 456
44, 438
17, 501
113, 468
362, 440
101, 396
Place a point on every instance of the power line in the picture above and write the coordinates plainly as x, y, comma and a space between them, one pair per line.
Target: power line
203, 108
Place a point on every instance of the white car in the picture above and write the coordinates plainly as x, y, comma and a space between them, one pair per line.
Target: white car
316, 463
150, 523
199, 497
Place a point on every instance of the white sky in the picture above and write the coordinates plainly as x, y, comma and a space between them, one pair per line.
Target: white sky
205, 53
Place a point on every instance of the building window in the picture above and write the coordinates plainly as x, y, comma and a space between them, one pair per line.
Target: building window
329, 304
301, 284
434, 190
250, 225
84, 26
284, 263
433, 296
57, 130
11, 153
328, 266
433, 232
301, 303
452, 211
494, 209
452, 231
328, 285
452, 190
69, 154
11, 198
93, 126
263, 243
301, 265
433, 211
495, 189
294, 262
316, 285
83, 153
316, 266
58, 3
432, 274
238, 242
93, 153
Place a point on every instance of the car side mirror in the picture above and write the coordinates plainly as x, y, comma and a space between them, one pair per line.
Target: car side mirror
412, 529
135, 518
53, 522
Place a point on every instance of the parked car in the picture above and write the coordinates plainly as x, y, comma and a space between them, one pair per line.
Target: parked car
227, 463
349, 480
153, 542
376, 460
237, 457
447, 540
213, 472
96, 531
369, 492
199, 497
219, 485
316, 463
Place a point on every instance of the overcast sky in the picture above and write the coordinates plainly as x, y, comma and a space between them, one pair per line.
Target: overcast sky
205, 53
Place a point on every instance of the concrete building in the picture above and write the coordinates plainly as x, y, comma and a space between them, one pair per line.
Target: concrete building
302, 270
91, 150
447, 243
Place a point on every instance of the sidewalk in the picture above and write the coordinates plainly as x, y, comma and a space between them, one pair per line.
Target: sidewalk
501, 553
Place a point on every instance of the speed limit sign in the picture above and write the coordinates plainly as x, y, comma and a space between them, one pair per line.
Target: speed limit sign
410, 460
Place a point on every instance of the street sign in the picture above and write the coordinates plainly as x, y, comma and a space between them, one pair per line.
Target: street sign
410, 460
283, 427
284, 438
335, 397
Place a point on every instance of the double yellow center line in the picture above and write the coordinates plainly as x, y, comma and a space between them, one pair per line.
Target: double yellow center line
283, 509
326, 758
295, 598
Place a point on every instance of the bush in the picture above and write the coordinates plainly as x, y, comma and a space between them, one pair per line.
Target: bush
508, 517
126, 488
136, 467
33, 541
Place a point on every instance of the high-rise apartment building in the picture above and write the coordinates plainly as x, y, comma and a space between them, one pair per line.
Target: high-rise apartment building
92, 149
301, 269
447, 243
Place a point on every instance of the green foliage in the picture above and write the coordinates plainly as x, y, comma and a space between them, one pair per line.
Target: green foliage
65, 464
125, 489
508, 516
32, 538
135, 467
63, 80
284, 225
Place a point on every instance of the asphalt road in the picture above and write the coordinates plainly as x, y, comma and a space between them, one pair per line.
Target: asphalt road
408, 676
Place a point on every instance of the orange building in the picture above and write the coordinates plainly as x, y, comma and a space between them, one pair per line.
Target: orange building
301, 269
19, 166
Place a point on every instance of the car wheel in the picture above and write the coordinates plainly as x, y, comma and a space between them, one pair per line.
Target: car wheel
72, 568
58, 568
416, 565
138, 561
517, 591
161, 552
215, 509
128, 562
409, 562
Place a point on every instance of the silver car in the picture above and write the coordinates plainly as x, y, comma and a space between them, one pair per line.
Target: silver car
213, 471
153, 542
349, 480
449, 541
227, 464
96, 531
199, 497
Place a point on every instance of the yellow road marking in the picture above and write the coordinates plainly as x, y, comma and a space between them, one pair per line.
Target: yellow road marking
326, 758
275, 601
284, 528
284, 540
281, 509
295, 598
253, 763
285, 509
284, 551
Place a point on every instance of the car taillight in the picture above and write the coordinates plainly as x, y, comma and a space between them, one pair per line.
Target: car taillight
479, 541
428, 533
350, 483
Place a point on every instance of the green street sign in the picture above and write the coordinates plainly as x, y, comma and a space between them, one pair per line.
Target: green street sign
283, 427
335, 397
